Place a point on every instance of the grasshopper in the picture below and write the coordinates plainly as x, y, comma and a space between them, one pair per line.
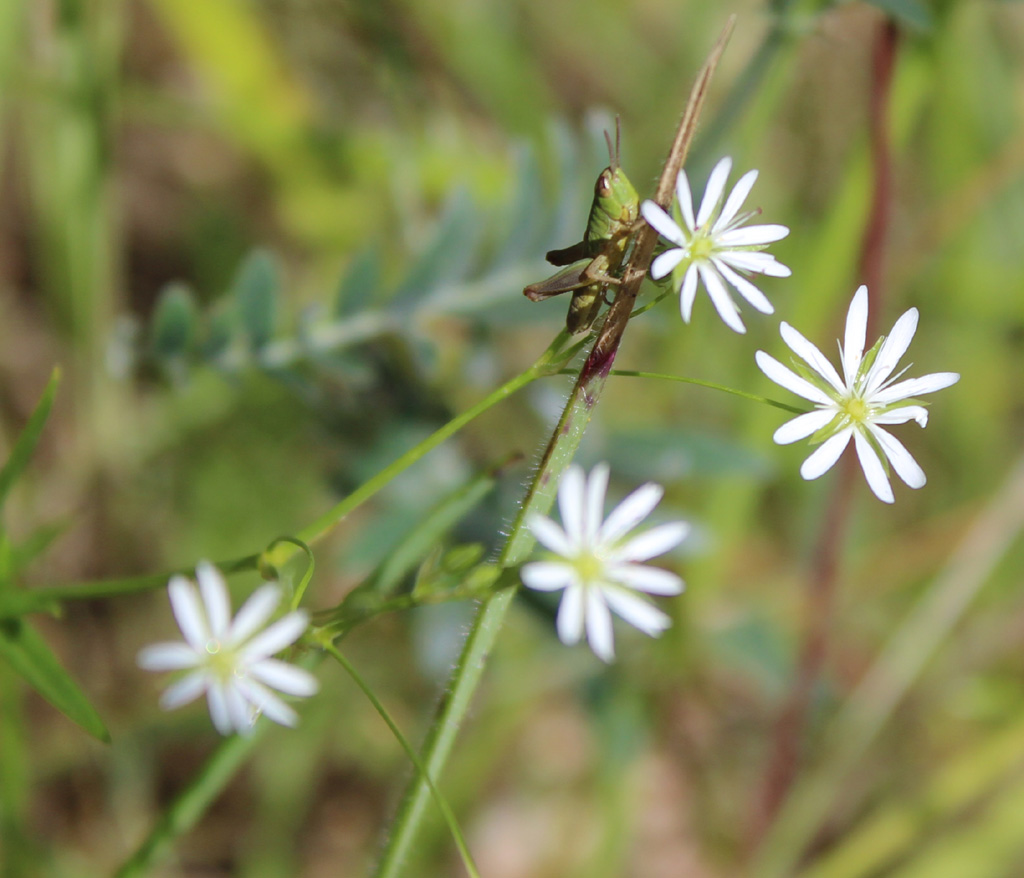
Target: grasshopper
593, 262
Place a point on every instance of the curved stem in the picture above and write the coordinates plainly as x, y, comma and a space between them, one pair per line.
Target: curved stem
442, 803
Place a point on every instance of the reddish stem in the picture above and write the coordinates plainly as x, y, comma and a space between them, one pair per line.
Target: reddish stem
791, 727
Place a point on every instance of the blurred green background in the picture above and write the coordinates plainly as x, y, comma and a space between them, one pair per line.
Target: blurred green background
274, 243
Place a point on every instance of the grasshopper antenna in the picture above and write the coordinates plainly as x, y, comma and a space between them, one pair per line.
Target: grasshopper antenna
613, 155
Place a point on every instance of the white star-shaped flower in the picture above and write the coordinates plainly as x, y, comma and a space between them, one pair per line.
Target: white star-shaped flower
230, 659
600, 564
714, 248
859, 403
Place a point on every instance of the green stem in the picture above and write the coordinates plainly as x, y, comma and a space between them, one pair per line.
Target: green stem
629, 373
442, 803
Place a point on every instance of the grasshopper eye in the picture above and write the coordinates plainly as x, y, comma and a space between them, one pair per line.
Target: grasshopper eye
603, 187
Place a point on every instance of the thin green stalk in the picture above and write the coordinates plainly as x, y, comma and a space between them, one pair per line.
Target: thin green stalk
629, 373
442, 803
560, 450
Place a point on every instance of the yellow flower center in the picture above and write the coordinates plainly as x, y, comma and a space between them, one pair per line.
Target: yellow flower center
856, 410
221, 661
589, 567
701, 248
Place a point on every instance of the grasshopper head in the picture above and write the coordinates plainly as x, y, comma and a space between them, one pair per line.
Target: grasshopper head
615, 195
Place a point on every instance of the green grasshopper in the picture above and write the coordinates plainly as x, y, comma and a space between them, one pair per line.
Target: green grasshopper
593, 262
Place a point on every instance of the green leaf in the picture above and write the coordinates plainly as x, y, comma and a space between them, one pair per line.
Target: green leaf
27, 653
28, 439
255, 288
358, 283
910, 12
174, 322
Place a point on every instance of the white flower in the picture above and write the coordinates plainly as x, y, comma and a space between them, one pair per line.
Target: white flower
599, 568
858, 403
714, 247
229, 659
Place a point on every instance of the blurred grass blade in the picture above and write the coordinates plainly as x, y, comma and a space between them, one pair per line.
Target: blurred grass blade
958, 789
883, 687
27, 653
29, 438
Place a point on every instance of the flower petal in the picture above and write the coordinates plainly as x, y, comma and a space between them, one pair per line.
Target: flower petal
597, 487
215, 598
285, 677
812, 356
188, 612
572, 500
548, 575
752, 236
551, 536
720, 298
643, 577
735, 201
255, 613
802, 426
631, 511
167, 657
915, 387
874, 472
688, 292
902, 414
240, 712
636, 611
744, 287
892, 350
653, 542
267, 703
906, 467
182, 691
599, 626
786, 377
856, 331
662, 223
665, 263
685, 199
713, 191
216, 702
570, 615
282, 633
826, 455
755, 261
